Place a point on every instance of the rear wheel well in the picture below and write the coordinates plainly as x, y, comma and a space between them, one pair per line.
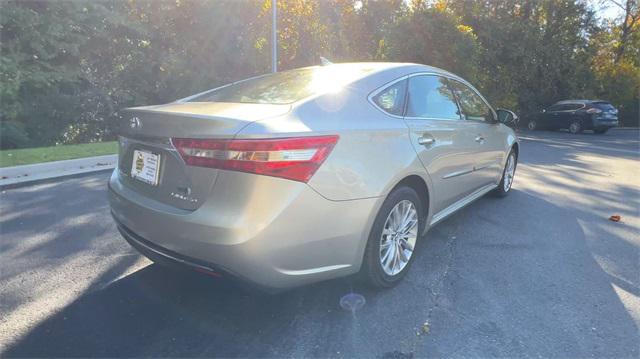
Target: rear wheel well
417, 184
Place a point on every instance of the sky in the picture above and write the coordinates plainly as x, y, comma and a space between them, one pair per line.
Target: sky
607, 10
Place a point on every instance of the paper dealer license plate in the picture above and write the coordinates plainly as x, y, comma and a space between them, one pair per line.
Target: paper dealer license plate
145, 167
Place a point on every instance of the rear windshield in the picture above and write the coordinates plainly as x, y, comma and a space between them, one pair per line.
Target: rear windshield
604, 106
287, 86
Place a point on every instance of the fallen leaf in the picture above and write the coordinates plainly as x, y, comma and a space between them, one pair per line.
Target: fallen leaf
426, 328
615, 218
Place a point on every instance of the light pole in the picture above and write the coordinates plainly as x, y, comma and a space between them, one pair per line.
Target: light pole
274, 37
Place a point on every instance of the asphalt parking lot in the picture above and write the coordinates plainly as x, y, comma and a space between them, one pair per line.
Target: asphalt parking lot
543, 272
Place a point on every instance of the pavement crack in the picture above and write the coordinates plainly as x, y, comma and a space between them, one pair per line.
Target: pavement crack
436, 290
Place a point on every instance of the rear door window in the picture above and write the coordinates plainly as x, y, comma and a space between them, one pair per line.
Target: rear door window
392, 99
430, 97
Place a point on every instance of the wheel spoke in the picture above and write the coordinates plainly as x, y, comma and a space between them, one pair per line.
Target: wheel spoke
407, 211
405, 243
406, 220
402, 255
409, 225
387, 257
395, 217
404, 212
398, 263
385, 250
385, 245
394, 254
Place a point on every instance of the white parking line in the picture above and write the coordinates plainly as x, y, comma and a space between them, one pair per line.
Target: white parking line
569, 144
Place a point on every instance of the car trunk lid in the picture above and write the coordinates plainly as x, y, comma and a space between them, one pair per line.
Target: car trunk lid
146, 134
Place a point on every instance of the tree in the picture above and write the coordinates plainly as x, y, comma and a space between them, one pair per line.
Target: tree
68, 67
629, 25
615, 64
357, 28
430, 36
533, 52
41, 75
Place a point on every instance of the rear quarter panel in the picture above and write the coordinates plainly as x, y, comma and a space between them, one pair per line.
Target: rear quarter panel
373, 153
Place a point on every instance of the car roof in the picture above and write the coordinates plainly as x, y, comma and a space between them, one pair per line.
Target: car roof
386, 71
582, 102
393, 70
400, 69
366, 70
381, 66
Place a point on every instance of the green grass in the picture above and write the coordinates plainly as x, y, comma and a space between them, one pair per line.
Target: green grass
29, 156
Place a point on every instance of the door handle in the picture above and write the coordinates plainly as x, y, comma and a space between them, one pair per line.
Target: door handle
426, 141
479, 139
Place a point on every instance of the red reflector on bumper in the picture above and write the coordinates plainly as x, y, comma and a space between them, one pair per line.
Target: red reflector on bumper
208, 272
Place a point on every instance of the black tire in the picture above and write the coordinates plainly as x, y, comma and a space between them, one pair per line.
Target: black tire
532, 125
372, 272
500, 190
600, 131
576, 127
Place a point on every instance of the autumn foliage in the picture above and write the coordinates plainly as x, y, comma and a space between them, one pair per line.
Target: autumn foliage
67, 67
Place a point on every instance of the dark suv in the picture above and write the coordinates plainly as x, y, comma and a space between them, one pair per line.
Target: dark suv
576, 116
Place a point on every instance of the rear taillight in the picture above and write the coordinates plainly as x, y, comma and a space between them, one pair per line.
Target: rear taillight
295, 158
594, 110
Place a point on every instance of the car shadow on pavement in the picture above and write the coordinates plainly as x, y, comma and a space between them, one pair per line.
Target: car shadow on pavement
158, 311
487, 282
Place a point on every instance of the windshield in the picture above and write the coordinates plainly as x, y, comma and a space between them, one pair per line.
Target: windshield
287, 86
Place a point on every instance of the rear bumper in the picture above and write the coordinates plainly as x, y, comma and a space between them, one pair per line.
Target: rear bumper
275, 233
604, 123
166, 257
163, 255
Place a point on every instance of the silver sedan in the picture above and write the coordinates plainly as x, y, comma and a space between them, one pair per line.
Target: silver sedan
309, 174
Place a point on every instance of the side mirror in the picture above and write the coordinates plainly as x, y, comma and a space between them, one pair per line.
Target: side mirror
507, 117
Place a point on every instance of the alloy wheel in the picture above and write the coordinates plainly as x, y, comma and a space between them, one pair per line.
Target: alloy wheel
399, 237
509, 172
574, 127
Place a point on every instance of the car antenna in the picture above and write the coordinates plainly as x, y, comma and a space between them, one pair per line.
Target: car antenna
325, 62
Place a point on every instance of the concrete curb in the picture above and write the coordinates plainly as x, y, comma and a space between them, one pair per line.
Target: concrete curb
10, 176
